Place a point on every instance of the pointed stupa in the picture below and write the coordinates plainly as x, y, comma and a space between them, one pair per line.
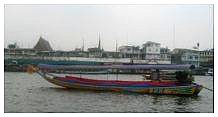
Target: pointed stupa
99, 41
43, 45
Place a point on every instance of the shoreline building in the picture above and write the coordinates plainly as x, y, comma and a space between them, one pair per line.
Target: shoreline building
165, 54
207, 58
151, 51
129, 51
185, 56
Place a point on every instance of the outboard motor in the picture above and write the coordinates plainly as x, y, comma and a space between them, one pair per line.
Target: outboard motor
184, 76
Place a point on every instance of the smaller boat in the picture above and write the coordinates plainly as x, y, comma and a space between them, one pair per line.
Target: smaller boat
209, 72
149, 86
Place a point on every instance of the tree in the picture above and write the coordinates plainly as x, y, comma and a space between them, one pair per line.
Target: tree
12, 46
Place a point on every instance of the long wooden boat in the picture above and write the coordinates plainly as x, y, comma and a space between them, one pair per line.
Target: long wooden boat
145, 87
152, 87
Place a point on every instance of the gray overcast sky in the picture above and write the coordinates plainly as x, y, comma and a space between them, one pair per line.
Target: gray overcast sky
64, 26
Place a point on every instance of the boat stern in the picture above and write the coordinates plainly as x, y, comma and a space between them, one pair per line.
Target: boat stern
197, 88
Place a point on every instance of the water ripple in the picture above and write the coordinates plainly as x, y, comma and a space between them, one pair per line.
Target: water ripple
28, 93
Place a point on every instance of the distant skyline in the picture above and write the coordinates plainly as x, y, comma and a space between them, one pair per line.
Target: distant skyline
66, 26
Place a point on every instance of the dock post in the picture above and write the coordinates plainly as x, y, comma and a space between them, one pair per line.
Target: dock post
117, 74
107, 74
80, 75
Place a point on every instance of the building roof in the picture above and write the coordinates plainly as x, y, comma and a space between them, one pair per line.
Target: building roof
151, 42
95, 49
184, 49
129, 46
208, 50
181, 50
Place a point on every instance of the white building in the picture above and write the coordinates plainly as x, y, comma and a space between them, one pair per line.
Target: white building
151, 50
129, 51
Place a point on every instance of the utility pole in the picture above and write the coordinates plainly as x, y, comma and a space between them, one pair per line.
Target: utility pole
83, 45
116, 45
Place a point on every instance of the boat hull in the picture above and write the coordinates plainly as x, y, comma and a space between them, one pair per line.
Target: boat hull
125, 86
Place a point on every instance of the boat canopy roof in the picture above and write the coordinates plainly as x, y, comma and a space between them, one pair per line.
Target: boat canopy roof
121, 67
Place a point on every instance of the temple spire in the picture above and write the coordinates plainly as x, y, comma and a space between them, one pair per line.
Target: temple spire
99, 41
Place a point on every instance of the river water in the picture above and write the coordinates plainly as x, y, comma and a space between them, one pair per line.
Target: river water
31, 93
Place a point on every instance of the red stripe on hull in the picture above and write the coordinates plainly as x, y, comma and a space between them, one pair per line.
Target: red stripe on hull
118, 82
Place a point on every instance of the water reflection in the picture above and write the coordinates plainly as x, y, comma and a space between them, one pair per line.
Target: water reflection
171, 103
155, 99
184, 103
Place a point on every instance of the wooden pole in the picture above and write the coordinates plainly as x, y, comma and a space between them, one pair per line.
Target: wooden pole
80, 75
117, 74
